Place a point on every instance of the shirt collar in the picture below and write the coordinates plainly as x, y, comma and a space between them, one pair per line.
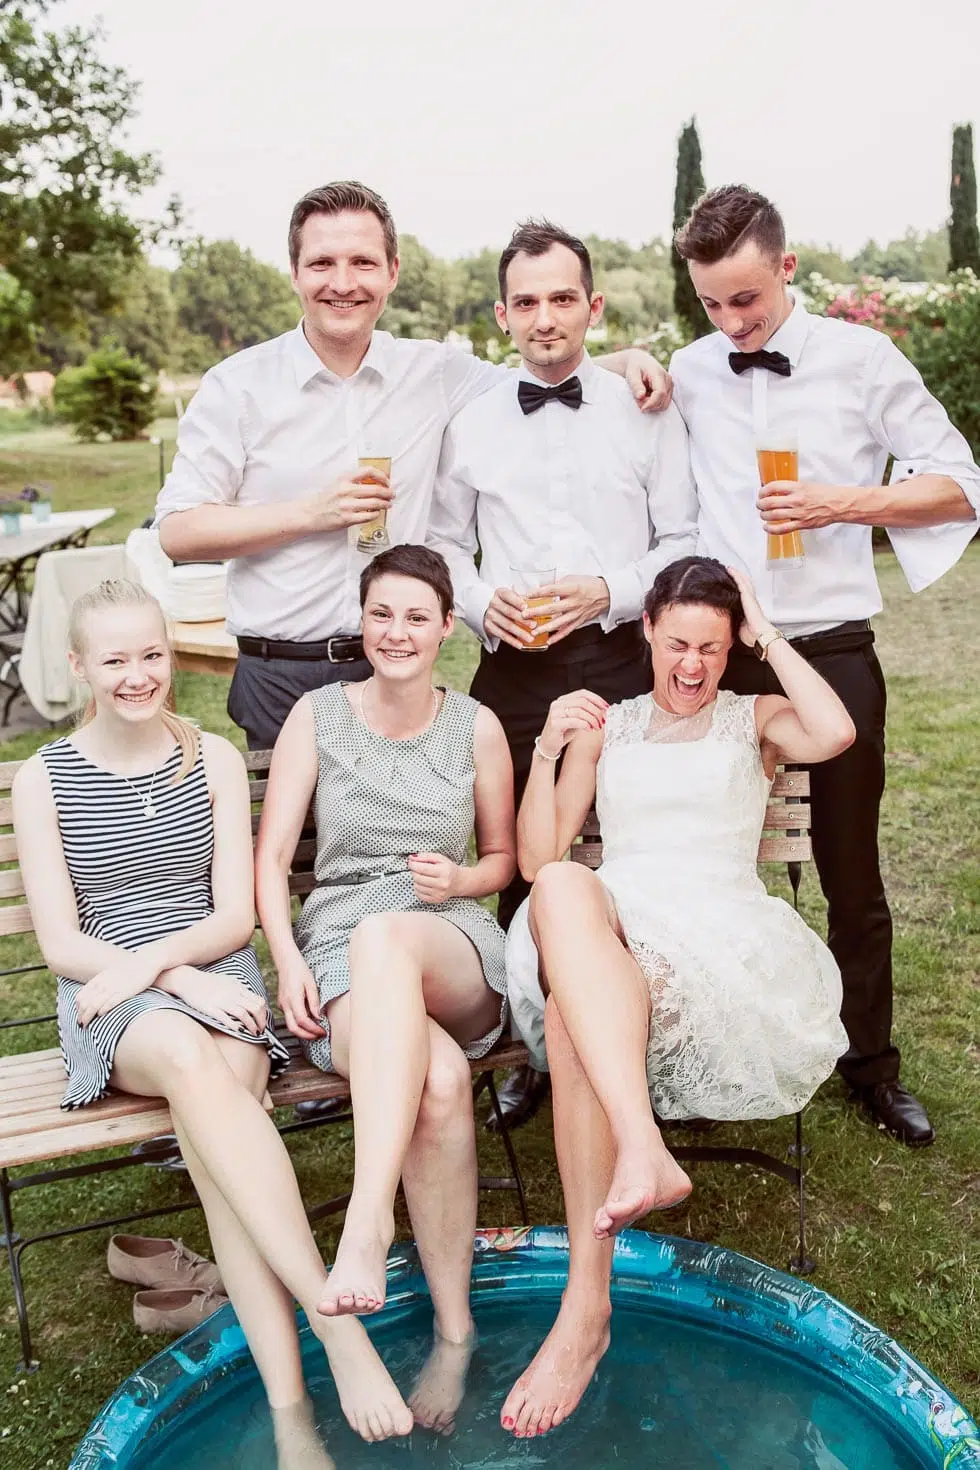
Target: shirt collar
585, 372
791, 336
309, 366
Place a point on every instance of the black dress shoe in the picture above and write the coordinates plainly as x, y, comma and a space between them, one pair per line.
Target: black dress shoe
898, 1112
322, 1108
521, 1093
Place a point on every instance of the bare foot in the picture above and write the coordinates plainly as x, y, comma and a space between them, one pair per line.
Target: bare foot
358, 1279
298, 1443
372, 1405
439, 1388
550, 1389
642, 1181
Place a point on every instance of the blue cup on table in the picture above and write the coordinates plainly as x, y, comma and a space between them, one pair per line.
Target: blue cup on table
11, 523
41, 510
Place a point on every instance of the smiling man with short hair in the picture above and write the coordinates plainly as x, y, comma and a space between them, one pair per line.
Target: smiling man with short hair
848, 399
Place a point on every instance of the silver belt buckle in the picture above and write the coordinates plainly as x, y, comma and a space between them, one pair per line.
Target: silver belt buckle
347, 658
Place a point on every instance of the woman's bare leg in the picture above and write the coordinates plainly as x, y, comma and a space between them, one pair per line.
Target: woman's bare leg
550, 1388
404, 968
440, 1180
261, 1237
604, 1003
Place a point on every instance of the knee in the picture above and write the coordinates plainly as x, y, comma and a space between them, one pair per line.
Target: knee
379, 932
447, 1094
558, 890
185, 1055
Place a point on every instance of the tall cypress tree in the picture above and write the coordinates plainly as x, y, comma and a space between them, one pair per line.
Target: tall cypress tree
964, 237
687, 190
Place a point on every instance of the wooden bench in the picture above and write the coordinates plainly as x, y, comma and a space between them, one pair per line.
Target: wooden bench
34, 1129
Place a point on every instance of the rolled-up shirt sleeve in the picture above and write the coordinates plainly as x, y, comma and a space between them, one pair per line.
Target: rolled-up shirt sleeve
452, 532
914, 427
673, 510
210, 461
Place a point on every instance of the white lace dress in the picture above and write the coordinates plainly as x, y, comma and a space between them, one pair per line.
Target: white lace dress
745, 997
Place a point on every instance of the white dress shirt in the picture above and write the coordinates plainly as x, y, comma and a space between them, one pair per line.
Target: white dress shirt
603, 490
852, 400
272, 424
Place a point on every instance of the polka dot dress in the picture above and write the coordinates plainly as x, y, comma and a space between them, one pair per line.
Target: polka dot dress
377, 802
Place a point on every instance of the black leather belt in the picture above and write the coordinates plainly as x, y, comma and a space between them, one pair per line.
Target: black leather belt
344, 649
574, 644
843, 638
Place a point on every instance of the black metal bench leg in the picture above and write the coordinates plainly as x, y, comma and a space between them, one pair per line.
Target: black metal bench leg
11, 1240
515, 1167
801, 1264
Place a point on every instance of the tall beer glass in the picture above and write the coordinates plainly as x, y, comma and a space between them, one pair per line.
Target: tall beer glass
778, 459
524, 580
372, 535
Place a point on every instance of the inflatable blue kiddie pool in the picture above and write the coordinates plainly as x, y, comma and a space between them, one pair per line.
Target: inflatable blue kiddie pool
716, 1363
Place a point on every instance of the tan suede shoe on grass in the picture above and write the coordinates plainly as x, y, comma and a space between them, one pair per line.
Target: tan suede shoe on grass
144, 1260
174, 1311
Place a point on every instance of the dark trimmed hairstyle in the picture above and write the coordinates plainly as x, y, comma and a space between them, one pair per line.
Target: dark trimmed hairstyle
536, 237
725, 219
409, 560
695, 579
346, 194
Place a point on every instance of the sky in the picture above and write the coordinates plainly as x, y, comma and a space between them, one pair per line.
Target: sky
468, 115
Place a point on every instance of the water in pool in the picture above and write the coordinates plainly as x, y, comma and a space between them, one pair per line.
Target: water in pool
669, 1394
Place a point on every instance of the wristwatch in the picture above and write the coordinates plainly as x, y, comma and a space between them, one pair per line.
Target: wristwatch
762, 645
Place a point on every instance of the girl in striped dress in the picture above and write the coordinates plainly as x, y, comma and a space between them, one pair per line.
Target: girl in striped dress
134, 837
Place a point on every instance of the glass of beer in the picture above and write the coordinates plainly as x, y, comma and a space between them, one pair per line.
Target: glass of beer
778, 459
525, 580
372, 535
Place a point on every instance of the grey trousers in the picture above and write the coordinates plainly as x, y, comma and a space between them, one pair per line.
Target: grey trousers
264, 690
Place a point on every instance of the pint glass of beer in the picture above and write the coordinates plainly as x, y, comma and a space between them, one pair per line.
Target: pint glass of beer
372, 535
524, 580
778, 459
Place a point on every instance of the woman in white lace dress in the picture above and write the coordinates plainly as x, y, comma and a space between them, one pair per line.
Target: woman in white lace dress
668, 976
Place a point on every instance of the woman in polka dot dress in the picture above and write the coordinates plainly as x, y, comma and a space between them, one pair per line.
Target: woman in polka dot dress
395, 975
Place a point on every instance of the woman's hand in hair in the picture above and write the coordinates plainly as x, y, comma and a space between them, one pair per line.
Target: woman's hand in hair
436, 878
299, 998
754, 623
119, 981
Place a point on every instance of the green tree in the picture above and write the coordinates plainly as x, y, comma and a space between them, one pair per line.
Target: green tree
475, 288
914, 257
226, 299
65, 176
825, 260
145, 321
687, 190
943, 340
111, 393
421, 305
964, 237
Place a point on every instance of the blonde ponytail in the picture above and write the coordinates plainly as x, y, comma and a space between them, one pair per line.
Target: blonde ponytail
118, 592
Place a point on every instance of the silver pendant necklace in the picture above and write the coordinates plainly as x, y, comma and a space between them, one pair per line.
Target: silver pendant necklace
145, 799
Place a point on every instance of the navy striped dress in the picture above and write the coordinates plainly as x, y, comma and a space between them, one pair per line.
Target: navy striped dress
137, 878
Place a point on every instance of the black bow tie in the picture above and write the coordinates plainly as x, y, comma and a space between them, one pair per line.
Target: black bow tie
776, 362
531, 396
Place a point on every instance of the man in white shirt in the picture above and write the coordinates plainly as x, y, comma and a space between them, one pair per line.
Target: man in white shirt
554, 469
266, 467
848, 399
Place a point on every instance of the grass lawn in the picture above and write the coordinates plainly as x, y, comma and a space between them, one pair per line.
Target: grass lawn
896, 1233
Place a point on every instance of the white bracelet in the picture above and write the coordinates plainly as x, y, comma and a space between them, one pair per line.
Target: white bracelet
543, 753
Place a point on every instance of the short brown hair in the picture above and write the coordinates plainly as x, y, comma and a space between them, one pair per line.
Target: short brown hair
725, 219
346, 194
536, 237
409, 560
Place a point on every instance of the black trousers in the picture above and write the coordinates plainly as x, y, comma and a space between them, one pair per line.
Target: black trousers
845, 796
519, 688
264, 690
